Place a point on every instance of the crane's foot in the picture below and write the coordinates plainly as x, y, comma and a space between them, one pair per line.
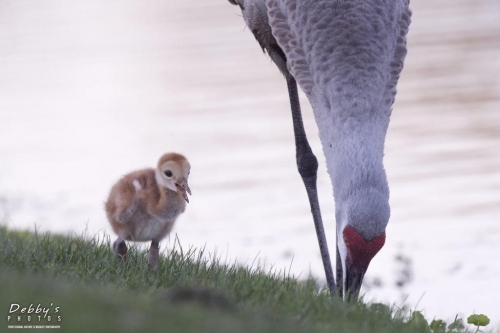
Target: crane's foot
120, 249
154, 255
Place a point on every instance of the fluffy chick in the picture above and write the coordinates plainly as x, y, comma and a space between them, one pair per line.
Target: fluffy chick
144, 205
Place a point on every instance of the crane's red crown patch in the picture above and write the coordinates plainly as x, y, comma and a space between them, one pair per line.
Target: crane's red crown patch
359, 250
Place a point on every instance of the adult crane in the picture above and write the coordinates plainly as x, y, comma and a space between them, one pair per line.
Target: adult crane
347, 56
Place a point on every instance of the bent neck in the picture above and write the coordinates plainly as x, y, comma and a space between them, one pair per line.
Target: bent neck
352, 132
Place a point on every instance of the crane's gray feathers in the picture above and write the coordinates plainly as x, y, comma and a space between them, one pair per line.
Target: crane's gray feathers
325, 40
347, 57
256, 18
297, 63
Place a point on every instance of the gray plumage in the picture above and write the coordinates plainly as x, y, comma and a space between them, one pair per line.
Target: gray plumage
347, 56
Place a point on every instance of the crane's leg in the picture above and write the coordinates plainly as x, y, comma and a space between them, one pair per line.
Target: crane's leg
307, 165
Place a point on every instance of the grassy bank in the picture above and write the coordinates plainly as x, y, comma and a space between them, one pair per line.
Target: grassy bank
189, 293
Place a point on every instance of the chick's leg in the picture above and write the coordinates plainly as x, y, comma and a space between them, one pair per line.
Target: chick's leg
154, 254
120, 249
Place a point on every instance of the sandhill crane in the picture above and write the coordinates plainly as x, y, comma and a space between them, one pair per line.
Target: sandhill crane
144, 205
347, 56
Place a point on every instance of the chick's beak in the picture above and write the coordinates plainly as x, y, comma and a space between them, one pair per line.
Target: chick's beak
183, 188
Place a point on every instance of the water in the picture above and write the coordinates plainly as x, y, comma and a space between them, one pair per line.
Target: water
90, 91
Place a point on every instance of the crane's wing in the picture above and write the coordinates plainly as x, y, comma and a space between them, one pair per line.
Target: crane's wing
333, 43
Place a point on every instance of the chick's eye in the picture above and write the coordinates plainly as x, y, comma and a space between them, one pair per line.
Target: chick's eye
168, 173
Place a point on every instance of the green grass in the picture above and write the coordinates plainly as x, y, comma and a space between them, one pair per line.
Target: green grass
189, 293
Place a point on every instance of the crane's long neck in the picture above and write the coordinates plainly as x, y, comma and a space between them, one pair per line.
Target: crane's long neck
352, 128
346, 56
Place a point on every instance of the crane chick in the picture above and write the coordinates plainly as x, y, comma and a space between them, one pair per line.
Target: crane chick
144, 205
